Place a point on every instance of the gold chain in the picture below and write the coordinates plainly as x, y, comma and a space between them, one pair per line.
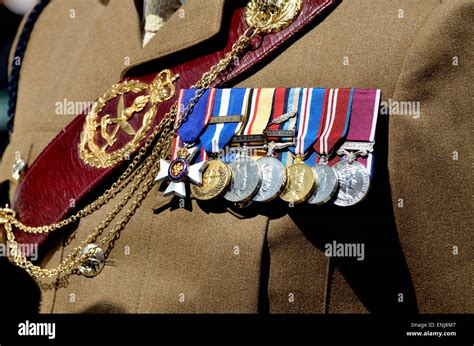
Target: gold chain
139, 176
139, 172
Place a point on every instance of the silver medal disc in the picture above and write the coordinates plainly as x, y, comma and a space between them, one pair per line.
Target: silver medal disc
273, 178
354, 182
328, 183
246, 180
94, 263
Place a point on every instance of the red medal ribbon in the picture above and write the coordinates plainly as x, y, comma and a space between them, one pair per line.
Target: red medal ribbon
280, 107
334, 119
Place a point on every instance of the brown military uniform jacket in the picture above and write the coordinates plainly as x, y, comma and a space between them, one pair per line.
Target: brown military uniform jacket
416, 223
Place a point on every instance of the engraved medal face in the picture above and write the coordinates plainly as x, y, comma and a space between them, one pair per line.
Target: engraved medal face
328, 183
215, 179
245, 182
110, 135
354, 183
300, 184
273, 179
94, 264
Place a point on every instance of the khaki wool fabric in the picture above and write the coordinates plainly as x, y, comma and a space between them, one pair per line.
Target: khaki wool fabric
184, 260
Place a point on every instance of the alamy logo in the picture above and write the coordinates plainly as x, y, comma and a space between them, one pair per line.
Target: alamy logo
68, 107
394, 107
24, 248
336, 249
37, 329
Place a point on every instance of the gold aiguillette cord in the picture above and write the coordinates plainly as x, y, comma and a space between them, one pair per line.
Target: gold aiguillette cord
139, 175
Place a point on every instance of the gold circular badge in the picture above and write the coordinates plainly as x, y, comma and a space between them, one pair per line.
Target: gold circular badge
100, 146
301, 183
272, 15
215, 179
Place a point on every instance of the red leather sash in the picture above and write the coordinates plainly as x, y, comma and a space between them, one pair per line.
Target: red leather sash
59, 176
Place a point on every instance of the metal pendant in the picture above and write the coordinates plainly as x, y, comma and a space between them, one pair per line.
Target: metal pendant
246, 180
301, 182
95, 261
215, 179
273, 179
354, 182
178, 170
328, 183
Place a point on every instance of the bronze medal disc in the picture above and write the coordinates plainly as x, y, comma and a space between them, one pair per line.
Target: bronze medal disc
215, 179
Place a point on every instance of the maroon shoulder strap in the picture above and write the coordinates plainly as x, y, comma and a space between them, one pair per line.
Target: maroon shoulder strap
59, 176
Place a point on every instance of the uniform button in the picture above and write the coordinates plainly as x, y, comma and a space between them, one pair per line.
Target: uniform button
94, 264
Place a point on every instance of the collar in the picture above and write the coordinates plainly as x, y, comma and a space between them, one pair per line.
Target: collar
192, 23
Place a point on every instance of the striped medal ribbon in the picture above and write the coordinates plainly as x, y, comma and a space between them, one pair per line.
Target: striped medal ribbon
224, 114
354, 168
301, 180
335, 121
246, 173
333, 128
180, 169
279, 135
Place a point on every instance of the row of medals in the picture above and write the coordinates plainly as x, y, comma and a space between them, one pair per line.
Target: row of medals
245, 180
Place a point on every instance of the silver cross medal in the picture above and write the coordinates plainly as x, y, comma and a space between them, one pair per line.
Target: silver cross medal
178, 170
